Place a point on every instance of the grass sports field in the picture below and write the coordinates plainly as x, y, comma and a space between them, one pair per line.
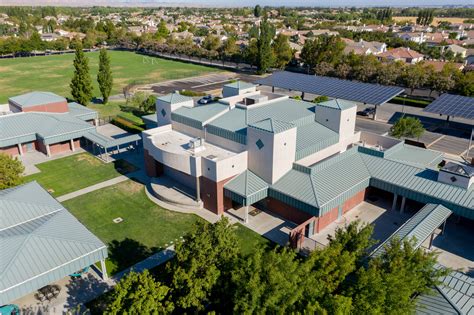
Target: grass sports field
53, 73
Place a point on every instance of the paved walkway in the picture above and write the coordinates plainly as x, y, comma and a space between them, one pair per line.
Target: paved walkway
140, 175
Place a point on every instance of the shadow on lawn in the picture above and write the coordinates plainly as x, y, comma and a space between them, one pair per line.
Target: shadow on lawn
127, 252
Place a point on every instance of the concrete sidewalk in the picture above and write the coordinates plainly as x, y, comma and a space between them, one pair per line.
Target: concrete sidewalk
140, 175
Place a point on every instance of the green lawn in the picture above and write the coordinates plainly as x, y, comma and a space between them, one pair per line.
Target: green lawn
53, 73
146, 227
77, 171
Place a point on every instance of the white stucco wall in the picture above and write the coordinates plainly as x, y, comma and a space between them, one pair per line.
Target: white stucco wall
229, 91
340, 121
277, 155
223, 169
169, 108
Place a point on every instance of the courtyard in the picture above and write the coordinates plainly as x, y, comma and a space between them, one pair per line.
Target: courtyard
77, 171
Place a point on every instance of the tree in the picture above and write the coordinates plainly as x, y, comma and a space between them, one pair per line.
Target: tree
342, 70
202, 268
282, 51
388, 74
162, 31
11, 170
257, 11
465, 84
267, 282
409, 127
139, 293
323, 48
415, 77
264, 50
390, 281
104, 76
444, 80
229, 48
211, 42
81, 85
324, 68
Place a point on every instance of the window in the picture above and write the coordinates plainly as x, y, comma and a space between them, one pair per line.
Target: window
259, 144
163, 112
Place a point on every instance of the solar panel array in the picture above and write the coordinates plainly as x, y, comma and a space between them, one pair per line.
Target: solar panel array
453, 105
374, 94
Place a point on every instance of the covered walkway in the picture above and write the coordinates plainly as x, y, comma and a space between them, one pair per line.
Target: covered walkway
103, 145
419, 227
246, 189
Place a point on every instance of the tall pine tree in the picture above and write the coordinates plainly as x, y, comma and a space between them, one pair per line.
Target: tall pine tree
104, 76
264, 49
81, 84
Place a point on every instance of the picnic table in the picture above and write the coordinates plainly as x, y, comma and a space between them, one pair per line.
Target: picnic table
49, 292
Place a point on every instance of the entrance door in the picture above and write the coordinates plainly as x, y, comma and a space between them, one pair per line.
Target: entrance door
30, 147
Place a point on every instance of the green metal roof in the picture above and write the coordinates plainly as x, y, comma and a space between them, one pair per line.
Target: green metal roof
419, 227
415, 156
272, 125
41, 242
81, 111
246, 188
313, 137
236, 120
107, 142
240, 85
337, 104
329, 183
36, 98
175, 98
199, 114
453, 296
326, 184
51, 127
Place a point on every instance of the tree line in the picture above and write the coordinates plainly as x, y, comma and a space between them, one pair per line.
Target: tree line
209, 274
325, 56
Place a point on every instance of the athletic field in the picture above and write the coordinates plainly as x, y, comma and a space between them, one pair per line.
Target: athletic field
53, 73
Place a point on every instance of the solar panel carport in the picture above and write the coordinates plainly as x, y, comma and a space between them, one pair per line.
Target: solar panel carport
455, 106
41, 242
367, 93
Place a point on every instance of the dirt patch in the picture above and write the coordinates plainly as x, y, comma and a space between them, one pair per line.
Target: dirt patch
435, 20
89, 159
130, 187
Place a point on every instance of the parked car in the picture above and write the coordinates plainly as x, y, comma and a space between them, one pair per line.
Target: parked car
366, 112
205, 100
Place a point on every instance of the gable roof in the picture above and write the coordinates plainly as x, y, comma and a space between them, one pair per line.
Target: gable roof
272, 125
174, 98
41, 241
51, 127
36, 98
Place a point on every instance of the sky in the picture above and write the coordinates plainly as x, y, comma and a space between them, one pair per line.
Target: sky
236, 3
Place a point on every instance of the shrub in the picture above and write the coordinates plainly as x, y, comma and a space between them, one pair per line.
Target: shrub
127, 125
191, 93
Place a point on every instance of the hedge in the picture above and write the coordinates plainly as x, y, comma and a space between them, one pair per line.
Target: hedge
191, 93
410, 101
126, 125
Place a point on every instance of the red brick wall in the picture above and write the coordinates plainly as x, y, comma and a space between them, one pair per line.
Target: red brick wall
212, 195
12, 150
56, 148
153, 168
286, 211
332, 215
354, 201
326, 219
60, 107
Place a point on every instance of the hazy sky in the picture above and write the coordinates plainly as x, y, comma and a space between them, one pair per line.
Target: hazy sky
235, 3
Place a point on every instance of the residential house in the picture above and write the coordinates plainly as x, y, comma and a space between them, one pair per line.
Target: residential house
406, 55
